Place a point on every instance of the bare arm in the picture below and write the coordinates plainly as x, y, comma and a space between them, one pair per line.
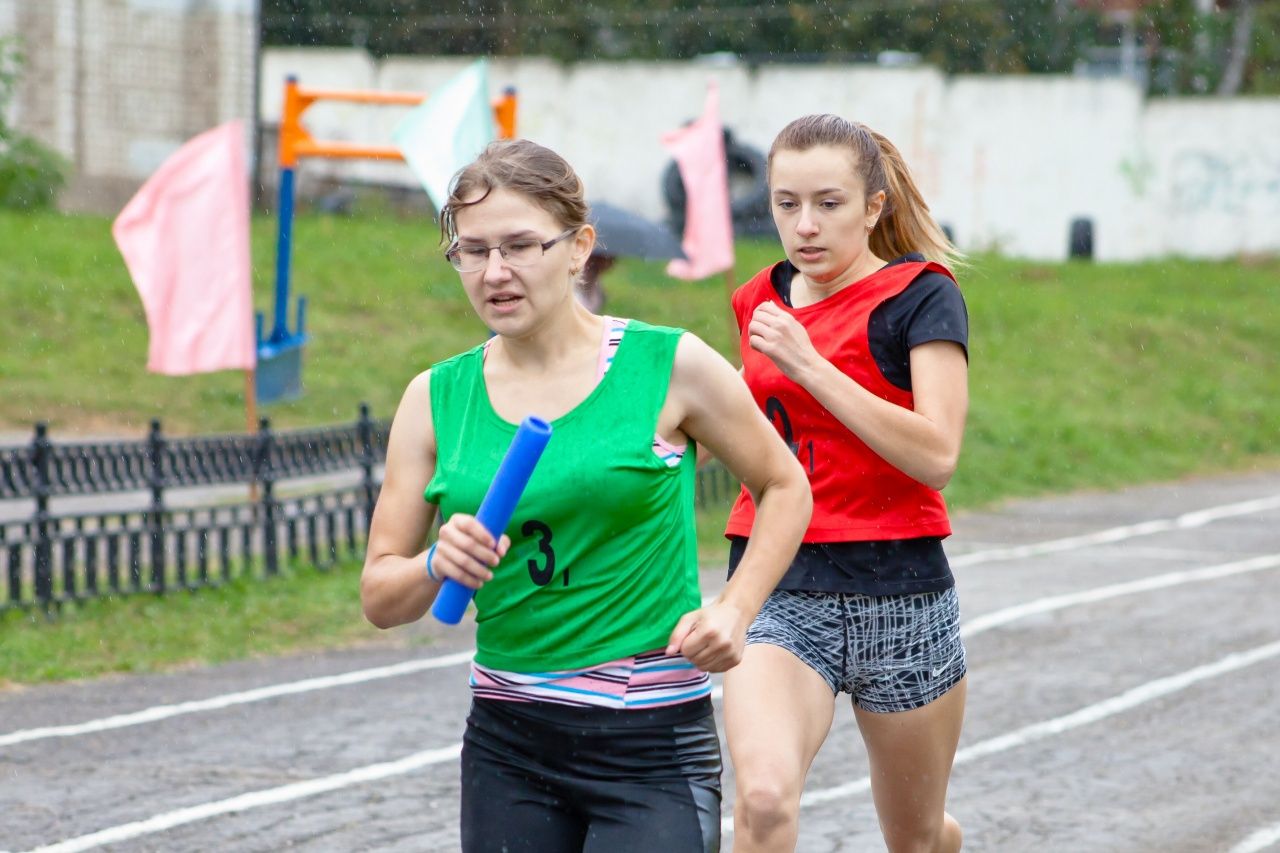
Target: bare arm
394, 587
704, 453
924, 442
719, 413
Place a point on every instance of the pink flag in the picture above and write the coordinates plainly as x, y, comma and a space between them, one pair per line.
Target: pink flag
708, 224
185, 240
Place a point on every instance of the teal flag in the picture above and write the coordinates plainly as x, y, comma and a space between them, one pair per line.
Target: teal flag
448, 131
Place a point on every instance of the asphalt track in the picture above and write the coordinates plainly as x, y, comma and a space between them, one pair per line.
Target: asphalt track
1124, 658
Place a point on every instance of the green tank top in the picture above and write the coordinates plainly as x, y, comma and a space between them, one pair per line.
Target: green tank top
603, 559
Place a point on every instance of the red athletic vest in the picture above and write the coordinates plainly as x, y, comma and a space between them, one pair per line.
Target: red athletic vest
857, 495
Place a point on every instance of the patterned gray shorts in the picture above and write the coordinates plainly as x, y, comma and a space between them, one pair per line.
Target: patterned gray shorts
890, 653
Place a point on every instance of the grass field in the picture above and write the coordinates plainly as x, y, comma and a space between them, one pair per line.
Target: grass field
1083, 376
302, 608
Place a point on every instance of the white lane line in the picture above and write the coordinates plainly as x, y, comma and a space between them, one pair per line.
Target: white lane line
162, 712
987, 621
226, 700
1130, 699
1260, 840
1186, 521
253, 800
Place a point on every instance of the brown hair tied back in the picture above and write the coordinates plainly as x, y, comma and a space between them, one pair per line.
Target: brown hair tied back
905, 224
524, 167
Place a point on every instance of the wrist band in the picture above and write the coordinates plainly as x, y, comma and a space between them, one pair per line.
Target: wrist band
431, 552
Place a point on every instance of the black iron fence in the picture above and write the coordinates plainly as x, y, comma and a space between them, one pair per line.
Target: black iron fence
42, 469
51, 558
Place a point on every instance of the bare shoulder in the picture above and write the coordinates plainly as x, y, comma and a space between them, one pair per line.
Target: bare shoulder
413, 422
696, 362
416, 400
705, 382
420, 386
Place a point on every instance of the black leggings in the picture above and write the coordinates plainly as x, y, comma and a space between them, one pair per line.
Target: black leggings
540, 777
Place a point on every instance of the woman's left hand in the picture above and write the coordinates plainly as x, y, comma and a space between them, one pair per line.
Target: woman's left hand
711, 638
775, 333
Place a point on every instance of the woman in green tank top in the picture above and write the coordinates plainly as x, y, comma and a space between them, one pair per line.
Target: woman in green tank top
591, 597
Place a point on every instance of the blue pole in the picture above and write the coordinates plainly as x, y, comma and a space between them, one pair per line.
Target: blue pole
284, 243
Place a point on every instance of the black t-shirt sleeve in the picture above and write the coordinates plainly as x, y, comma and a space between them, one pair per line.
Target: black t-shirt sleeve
930, 309
780, 277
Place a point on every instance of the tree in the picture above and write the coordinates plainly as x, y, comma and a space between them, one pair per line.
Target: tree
1240, 47
31, 174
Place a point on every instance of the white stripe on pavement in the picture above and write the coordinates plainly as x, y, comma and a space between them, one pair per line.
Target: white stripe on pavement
982, 623
1260, 840
1126, 701
256, 799
995, 619
1130, 699
164, 712
1186, 521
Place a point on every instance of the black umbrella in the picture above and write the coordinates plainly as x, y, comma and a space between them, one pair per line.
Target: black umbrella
623, 233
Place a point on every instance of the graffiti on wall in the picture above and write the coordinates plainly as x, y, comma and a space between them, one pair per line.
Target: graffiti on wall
1203, 181
1138, 171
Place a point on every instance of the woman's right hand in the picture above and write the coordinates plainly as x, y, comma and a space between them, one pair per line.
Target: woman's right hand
465, 551
780, 336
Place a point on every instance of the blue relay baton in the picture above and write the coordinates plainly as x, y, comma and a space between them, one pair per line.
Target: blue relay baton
496, 508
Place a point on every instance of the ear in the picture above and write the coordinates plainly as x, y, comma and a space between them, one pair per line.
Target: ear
875, 208
583, 242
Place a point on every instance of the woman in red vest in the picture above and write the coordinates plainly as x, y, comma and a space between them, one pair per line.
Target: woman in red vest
855, 347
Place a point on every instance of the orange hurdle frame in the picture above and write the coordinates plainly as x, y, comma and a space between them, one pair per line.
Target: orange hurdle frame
279, 375
296, 142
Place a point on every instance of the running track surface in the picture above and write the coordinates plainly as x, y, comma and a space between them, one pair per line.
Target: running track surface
1124, 656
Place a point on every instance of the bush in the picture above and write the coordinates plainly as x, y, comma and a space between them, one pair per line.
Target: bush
31, 173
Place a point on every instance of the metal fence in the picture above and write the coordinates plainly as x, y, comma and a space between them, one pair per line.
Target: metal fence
51, 558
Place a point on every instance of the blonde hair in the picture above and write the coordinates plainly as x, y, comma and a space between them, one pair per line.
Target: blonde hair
525, 167
905, 224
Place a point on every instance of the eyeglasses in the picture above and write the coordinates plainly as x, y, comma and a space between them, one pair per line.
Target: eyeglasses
520, 252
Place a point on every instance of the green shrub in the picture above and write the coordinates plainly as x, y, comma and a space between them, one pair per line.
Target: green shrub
31, 173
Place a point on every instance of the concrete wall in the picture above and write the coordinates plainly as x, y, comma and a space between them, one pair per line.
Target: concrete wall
118, 85
606, 118
1007, 162
1210, 175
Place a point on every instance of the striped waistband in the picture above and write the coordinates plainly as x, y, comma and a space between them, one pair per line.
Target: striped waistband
648, 680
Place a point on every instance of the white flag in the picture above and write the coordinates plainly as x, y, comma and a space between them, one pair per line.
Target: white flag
448, 131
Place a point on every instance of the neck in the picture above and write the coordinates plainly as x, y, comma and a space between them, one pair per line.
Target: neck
558, 341
864, 265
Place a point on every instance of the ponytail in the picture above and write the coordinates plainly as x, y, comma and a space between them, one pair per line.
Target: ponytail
905, 224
